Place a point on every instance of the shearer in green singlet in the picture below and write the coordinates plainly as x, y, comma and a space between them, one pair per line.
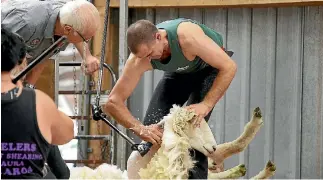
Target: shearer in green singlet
197, 70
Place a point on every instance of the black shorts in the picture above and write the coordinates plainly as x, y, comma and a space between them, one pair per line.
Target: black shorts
176, 88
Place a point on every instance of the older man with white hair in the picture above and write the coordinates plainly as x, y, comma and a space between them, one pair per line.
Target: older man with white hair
41, 23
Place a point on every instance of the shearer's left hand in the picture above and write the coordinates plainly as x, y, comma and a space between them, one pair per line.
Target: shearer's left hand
201, 110
92, 64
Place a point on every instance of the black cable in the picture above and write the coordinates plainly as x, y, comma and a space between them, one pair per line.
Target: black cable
104, 39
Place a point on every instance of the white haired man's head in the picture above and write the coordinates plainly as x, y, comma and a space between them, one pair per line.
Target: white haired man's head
80, 20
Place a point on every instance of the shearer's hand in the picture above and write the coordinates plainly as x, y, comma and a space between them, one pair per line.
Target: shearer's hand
201, 111
152, 133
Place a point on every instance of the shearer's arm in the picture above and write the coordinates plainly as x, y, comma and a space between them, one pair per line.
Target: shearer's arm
194, 40
115, 106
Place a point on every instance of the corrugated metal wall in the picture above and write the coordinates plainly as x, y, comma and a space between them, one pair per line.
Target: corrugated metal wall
280, 69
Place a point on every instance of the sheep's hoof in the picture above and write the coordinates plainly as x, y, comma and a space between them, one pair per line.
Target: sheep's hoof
270, 166
242, 169
257, 112
214, 168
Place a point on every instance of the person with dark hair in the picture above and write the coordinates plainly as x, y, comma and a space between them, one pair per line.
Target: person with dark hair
198, 71
30, 120
15, 55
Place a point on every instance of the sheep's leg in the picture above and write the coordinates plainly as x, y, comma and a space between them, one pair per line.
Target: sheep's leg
136, 162
228, 149
267, 172
213, 167
232, 173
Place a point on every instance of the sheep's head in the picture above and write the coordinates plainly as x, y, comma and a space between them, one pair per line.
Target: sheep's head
176, 125
182, 120
179, 123
201, 138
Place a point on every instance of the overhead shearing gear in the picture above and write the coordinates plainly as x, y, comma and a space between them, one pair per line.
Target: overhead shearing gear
97, 112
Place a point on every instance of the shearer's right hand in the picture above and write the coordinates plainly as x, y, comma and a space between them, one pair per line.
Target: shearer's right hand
152, 133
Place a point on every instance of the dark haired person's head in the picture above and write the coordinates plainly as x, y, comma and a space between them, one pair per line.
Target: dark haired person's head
13, 50
144, 40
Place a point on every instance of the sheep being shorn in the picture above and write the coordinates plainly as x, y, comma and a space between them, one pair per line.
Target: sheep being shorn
173, 160
161, 167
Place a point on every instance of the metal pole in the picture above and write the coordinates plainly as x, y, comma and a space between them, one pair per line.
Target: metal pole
45, 55
123, 55
93, 137
105, 65
81, 122
148, 77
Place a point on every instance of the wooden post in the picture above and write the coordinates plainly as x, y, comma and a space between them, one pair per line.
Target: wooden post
46, 81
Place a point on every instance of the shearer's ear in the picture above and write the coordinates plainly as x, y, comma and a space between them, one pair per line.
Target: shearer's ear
67, 29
